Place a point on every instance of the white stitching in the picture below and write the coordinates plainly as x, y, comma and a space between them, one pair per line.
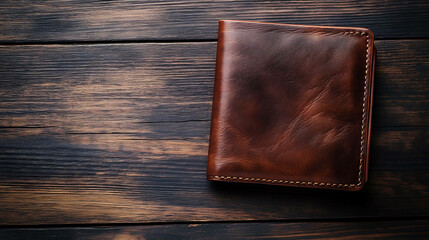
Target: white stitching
284, 181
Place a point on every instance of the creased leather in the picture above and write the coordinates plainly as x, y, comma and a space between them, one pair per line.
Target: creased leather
288, 105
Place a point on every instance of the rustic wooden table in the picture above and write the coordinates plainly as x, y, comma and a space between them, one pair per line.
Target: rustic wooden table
105, 113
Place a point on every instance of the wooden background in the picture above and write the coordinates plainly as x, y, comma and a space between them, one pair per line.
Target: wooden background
105, 113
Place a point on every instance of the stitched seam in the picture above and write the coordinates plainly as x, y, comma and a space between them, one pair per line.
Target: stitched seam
362, 140
284, 181
338, 185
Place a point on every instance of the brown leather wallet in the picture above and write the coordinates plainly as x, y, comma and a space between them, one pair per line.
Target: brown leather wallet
292, 105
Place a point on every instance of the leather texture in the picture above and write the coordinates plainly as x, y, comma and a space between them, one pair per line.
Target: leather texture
292, 105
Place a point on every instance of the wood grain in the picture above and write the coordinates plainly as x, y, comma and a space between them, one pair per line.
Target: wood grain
118, 88
112, 179
118, 133
72, 20
301, 230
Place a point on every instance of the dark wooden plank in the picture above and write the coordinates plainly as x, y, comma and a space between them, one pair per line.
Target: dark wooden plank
118, 133
417, 229
105, 179
153, 20
399, 102
117, 88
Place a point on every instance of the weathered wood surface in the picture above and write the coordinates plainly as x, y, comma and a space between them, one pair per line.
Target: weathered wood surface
302, 230
119, 87
118, 133
74, 20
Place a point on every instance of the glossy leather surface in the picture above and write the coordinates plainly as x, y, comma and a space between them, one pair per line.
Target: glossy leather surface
292, 105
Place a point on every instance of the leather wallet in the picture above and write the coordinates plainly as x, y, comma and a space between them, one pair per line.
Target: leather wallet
292, 105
